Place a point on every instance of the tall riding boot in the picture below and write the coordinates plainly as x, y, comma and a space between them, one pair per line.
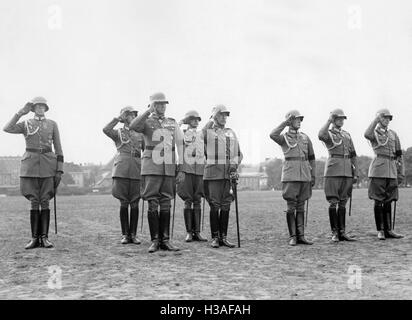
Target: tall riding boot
153, 220
224, 224
214, 226
196, 215
333, 219
300, 228
34, 224
124, 223
343, 236
134, 219
387, 222
187, 214
379, 220
44, 233
164, 231
291, 221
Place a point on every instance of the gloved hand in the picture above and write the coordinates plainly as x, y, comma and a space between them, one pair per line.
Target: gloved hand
57, 179
180, 177
233, 174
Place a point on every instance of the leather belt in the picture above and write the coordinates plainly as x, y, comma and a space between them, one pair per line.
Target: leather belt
342, 156
134, 154
385, 156
295, 158
39, 150
152, 148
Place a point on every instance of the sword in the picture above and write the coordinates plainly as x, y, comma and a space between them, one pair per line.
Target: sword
173, 217
307, 212
141, 227
233, 180
350, 205
394, 215
203, 212
55, 207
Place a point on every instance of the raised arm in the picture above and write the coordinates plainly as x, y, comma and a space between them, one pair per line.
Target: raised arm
369, 133
138, 123
276, 136
12, 126
109, 131
324, 131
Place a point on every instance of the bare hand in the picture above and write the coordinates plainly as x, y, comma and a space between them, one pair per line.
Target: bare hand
152, 107
312, 181
290, 120
355, 179
26, 109
400, 180
331, 118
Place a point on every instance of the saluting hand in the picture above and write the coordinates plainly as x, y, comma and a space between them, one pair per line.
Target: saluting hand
26, 109
289, 120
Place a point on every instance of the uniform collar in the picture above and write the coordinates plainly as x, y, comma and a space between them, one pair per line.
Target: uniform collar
39, 118
293, 131
126, 127
217, 126
381, 129
156, 116
336, 129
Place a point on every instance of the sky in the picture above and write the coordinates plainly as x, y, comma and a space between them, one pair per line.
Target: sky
261, 58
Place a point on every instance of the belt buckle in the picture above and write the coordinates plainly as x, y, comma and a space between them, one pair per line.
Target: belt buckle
41, 150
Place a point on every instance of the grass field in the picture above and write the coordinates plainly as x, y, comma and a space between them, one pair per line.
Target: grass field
94, 265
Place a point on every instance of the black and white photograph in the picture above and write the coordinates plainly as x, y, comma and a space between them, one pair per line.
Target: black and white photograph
223, 152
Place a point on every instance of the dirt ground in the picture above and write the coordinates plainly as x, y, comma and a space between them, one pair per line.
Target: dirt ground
94, 265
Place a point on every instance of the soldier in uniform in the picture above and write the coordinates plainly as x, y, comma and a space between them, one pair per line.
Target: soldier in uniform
41, 168
386, 172
162, 136
223, 157
298, 173
126, 171
341, 172
190, 190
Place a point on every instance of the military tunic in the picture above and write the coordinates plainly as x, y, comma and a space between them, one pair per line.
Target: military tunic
341, 166
162, 137
299, 165
222, 153
191, 189
39, 163
387, 164
127, 163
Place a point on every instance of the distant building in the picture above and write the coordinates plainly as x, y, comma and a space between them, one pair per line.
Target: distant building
10, 172
251, 179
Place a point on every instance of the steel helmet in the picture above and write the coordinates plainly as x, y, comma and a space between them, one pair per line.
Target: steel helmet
39, 100
158, 97
385, 112
338, 113
128, 109
220, 108
192, 114
295, 114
